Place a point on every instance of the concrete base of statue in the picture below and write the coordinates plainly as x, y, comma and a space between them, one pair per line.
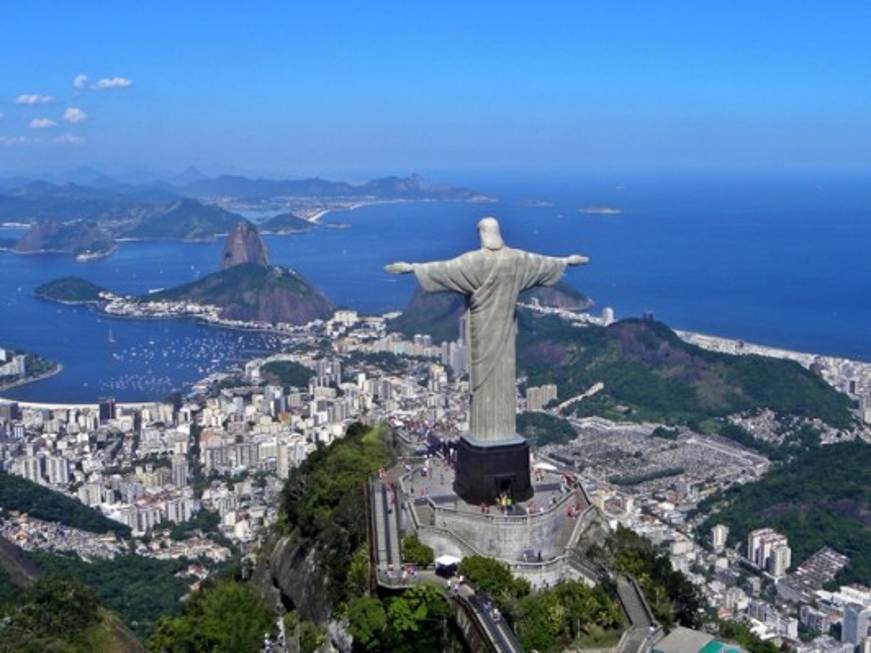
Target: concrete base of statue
487, 470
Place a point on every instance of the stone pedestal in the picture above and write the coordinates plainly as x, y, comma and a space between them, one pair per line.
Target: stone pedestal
485, 471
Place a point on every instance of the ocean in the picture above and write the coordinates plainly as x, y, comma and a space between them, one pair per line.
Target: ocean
781, 260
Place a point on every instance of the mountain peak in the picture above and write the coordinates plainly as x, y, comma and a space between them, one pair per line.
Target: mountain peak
244, 245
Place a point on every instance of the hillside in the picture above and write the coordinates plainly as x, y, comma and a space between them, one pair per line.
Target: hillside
253, 292
387, 188
651, 374
285, 223
70, 290
17, 493
41, 200
438, 314
68, 237
809, 503
185, 220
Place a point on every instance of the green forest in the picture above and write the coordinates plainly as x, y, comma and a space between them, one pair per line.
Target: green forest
821, 497
17, 493
650, 374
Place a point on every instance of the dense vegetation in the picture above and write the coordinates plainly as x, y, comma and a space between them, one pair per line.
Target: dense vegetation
547, 620
417, 620
18, 493
69, 289
229, 617
569, 614
822, 497
543, 428
416, 552
137, 588
741, 634
186, 219
254, 292
286, 373
54, 613
651, 374
323, 502
672, 597
384, 360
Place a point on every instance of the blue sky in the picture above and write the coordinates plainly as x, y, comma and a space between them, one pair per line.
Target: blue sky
370, 88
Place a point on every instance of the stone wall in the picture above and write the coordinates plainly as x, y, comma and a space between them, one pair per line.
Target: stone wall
507, 537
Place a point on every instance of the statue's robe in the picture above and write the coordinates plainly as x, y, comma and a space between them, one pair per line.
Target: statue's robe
491, 280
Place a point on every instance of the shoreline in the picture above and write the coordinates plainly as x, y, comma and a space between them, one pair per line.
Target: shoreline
732, 346
318, 215
58, 368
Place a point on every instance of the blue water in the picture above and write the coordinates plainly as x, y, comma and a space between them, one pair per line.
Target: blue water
777, 260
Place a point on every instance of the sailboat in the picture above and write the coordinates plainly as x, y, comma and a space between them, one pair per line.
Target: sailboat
111, 336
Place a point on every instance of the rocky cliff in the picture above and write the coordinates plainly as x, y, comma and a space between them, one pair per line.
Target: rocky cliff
244, 245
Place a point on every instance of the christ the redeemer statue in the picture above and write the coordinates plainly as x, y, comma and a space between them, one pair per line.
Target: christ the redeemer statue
491, 278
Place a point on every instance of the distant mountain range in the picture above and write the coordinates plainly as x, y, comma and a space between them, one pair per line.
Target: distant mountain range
88, 194
185, 206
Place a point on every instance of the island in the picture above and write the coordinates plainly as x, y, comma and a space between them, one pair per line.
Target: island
600, 209
71, 290
248, 292
286, 223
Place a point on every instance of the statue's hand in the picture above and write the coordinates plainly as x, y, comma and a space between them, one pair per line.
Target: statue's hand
576, 259
399, 268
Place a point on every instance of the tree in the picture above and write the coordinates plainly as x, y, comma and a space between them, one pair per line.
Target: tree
415, 551
227, 618
494, 578
367, 620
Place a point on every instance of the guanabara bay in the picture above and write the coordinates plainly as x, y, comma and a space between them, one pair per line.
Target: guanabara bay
435, 329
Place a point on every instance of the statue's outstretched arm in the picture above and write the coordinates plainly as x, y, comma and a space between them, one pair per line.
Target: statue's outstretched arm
577, 259
400, 267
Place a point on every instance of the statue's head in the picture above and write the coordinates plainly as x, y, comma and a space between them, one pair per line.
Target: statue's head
491, 237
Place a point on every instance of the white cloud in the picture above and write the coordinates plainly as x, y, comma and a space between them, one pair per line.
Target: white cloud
74, 115
33, 98
69, 139
13, 140
111, 82
80, 81
42, 123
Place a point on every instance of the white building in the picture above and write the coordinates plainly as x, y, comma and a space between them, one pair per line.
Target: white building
719, 535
